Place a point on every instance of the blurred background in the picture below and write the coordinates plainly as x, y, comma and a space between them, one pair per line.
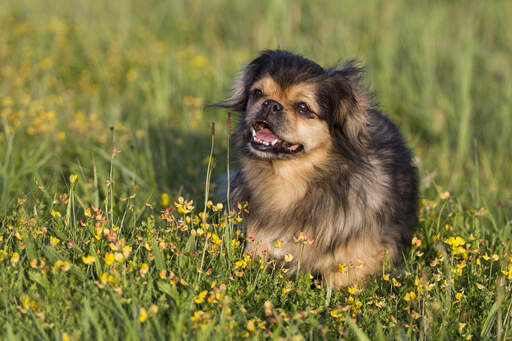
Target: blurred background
72, 70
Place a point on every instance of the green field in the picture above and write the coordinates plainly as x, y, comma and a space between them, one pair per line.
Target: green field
104, 129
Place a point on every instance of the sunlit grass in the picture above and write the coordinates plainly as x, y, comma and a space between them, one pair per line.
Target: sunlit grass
110, 228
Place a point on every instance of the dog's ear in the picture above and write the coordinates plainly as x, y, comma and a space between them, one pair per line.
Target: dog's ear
352, 102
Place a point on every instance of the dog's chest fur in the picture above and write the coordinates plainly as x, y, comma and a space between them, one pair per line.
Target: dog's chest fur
287, 197
276, 186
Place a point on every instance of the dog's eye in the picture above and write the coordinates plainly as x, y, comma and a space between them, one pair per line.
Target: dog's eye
303, 109
257, 93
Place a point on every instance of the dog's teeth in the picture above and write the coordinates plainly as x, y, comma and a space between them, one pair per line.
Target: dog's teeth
274, 142
253, 132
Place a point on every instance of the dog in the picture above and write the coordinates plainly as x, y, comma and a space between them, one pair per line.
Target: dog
328, 179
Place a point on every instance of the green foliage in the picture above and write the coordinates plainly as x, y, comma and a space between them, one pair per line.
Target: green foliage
104, 130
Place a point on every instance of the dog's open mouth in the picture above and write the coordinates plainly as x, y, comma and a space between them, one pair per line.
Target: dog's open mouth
264, 139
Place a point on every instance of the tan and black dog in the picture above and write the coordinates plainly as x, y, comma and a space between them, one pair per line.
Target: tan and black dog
316, 156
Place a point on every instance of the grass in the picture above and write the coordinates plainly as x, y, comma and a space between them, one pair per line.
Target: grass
107, 230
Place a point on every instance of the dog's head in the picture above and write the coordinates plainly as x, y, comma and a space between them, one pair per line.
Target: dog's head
291, 106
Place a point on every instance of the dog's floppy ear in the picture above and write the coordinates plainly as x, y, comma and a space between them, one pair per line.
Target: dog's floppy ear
352, 104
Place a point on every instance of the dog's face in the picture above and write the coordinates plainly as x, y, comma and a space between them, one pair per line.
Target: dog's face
284, 122
291, 106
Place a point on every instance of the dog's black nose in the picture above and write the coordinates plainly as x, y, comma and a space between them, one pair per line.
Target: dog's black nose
271, 107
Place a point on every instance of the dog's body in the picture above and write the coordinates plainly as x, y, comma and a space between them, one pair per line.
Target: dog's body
318, 160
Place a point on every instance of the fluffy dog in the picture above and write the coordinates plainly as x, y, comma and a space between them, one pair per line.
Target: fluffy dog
319, 162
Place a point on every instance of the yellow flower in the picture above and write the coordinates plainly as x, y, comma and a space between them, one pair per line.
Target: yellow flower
250, 326
288, 258
200, 318
143, 315
119, 257
416, 241
153, 309
61, 265
88, 260
144, 268
127, 250
458, 269
301, 238
455, 241
104, 277
183, 206
201, 296
55, 213
54, 241
15, 258
335, 313
342, 268
410, 296
216, 240
198, 61
287, 289
458, 296
25, 301
240, 264
73, 178
418, 285
165, 199
109, 258
139, 133
508, 272
278, 244
444, 195
268, 308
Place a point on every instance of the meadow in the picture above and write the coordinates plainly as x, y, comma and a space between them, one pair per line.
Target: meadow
110, 223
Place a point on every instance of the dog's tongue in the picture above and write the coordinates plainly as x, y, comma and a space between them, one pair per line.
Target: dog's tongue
266, 135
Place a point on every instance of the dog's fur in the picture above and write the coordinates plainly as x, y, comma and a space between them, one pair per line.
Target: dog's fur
340, 173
